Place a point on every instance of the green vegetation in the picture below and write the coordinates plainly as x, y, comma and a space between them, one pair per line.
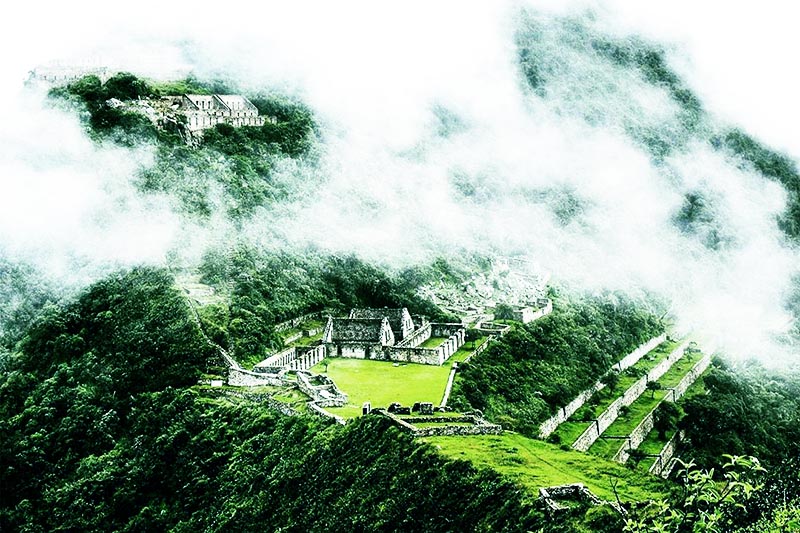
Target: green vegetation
535, 464
98, 433
231, 166
381, 383
433, 342
534, 369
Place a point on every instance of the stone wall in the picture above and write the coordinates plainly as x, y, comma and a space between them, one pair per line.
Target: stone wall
479, 426
294, 358
552, 423
636, 436
480, 349
640, 432
326, 394
238, 377
447, 388
317, 410
265, 398
416, 338
529, 314
689, 379
307, 356
633, 357
293, 323
661, 466
280, 359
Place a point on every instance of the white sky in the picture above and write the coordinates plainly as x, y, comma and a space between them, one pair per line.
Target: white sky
368, 65
741, 55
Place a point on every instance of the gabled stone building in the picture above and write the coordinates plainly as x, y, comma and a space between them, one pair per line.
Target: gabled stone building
390, 334
204, 111
399, 319
359, 338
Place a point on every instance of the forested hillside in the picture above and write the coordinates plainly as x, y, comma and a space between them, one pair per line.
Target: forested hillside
99, 433
522, 378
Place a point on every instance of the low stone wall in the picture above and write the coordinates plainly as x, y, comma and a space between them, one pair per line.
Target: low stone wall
636, 436
662, 465
689, 379
317, 410
633, 357
271, 402
550, 496
552, 423
447, 388
480, 426
293, 323
641, 431
325, 395
243, 378
480, 349
457, 431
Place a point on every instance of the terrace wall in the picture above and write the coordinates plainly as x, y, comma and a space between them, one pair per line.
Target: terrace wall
611, 413
552, 423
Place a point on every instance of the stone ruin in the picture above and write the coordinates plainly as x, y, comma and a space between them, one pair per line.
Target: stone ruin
552, 498
390, 335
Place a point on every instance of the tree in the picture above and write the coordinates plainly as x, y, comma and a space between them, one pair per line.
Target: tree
704, 504
653, 386
610, 380
666, 418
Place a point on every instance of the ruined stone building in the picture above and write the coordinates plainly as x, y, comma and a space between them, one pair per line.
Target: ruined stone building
57, 75
203, 111
399, 319
390, 334
360, 338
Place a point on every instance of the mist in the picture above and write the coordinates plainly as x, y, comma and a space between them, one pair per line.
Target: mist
432, 144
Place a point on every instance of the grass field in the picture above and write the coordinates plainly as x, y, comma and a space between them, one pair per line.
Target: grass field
467, 350
535, 464
381, 383
432, 342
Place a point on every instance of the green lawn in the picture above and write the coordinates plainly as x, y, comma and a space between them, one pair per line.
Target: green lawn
678, 370
570, 430
381, 383
308, 341
467, 350
433, 342
535, 464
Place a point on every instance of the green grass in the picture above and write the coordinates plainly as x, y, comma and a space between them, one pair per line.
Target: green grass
438, 424
606, 448
535, 464
307, 341
642, 406
570, 430
433, 342
381, 383
678, 370
605, 397
467, 350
